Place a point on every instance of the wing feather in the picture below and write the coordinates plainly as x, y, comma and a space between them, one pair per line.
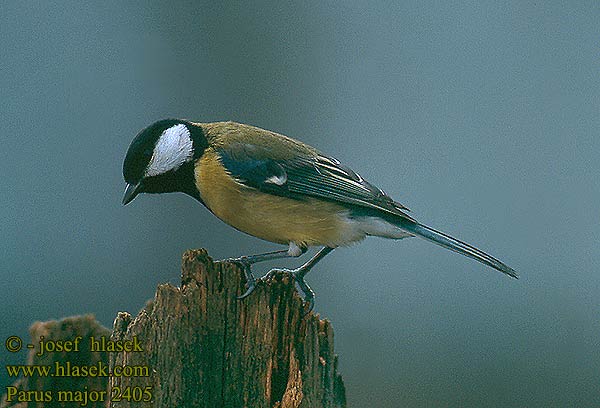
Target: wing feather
315, 175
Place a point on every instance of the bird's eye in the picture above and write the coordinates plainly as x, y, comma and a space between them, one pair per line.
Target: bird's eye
148, 152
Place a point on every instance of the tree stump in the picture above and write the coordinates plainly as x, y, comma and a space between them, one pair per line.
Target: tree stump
195, 346
205, 348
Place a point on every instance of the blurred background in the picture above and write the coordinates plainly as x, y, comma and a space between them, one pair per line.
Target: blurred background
482, 117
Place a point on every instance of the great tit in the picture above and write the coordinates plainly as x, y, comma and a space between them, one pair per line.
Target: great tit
275, 188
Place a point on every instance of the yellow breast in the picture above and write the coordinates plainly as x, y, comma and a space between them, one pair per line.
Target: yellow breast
272, 218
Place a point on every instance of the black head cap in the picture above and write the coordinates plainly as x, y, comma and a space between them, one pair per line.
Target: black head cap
141, 149
160, 158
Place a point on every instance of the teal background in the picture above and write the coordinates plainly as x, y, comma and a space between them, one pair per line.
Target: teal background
480, 116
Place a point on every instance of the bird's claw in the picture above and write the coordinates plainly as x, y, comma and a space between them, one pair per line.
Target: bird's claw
246, 266
298, 276
251, 285
309, 294
251, 282
242, 262
267, 276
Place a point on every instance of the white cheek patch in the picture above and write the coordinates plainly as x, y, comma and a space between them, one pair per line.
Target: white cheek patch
173, 148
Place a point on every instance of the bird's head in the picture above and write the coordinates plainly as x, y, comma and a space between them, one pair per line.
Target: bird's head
161, 159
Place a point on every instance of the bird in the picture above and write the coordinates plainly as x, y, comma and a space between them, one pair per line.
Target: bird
275, 188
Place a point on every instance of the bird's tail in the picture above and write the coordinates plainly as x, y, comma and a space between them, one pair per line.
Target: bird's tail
455, 245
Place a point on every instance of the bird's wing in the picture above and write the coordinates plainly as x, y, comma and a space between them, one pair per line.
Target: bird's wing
304, 175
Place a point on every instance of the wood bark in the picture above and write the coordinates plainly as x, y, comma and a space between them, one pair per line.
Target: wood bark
205, 348
199, 346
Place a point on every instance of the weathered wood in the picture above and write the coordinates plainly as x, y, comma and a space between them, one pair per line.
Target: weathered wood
45, 387
201, 347
205, 348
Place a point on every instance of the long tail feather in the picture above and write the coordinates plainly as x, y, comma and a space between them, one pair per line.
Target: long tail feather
455, 245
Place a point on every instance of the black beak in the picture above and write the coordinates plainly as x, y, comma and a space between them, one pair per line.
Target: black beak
131, 191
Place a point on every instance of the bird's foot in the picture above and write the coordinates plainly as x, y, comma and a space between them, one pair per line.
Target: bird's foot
244, 263
298, 276
250, 286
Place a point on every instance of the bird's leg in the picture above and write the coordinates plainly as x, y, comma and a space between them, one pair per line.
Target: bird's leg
246, 263
299, 273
